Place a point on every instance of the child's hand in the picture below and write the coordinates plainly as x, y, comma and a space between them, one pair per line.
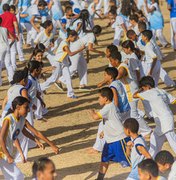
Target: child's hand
92, 111
23, 159
39, 144
101, 135
10, 160
130, 144
55, 149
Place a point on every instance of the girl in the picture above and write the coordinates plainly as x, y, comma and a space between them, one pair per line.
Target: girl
19, 82
156, 21
14, 126
62, 63
44, 169
46, 35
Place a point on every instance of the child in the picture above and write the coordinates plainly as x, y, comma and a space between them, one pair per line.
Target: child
136, 148
114, 149
153, 64
12, 127
163, 117
148, 170
165, 161
134, 23
43, 169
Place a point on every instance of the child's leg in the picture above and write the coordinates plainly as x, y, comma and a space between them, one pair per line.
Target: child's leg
100, 142
10, 171
173, 32
13, 55
143, 127
102, 171
156, 72
38, 111
67, 78
160, 36
82, 71
156, 143
20, 48
165, 78
171, 137
117, 36
3, 52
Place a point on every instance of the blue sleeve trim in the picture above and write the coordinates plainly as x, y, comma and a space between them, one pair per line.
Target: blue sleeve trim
136, 145
29, 84
21, 90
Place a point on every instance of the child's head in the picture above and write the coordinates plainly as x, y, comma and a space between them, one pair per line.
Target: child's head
35, 68
44, 169
110, 74
47, 25
20, 106
105, 96
133, 19
96, 1
111, 48
69, 12
142, 26
97, 30
131, 35
112, 14
40, 46
112, 3
6, 7
84, 15
37, 54
147, 36
12, 9
115, 58
42, 4
146, 83
131, 126
72, 35
164, 159
20, 77
128, 46
148, 170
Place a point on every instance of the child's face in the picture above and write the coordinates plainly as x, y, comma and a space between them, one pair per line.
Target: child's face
132, 22
50, 28
111, 16
163, 168
49, 172
73, 38
23, 109
41, 7
143, 175
113, 62
102, 100
69, 14
107, 53
132, 37
107, 77
39, 57
144, 39
126, 50
12, 11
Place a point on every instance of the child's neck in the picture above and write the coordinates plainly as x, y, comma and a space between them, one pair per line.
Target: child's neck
17, 116
110, 81
33, 75
47, 32
134, 135
108, 102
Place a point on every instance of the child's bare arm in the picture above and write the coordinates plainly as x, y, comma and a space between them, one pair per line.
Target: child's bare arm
17, 145
135, 95
129, 147
101, 83
115, 96
153, 65
94, 115
144, 152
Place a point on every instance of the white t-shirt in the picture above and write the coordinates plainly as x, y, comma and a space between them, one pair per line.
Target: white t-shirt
113, 128
172, 174
4, 37
163, 116
118, 22
89, 38
43, 38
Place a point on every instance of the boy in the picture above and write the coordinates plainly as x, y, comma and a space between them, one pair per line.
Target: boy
134, 23
136, 148
165, 161
163, 117
148, 170
114, 148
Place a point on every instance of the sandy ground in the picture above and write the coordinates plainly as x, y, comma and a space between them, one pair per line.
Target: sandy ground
69, 125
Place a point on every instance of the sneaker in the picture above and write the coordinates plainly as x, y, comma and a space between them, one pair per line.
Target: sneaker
59, 86
73, 97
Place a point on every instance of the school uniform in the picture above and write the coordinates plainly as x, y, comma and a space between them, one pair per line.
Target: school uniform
23, 5
172, 174
136, 157
11, 171
163, 117
114, 149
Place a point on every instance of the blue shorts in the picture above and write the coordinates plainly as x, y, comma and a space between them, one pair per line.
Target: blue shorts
116, 152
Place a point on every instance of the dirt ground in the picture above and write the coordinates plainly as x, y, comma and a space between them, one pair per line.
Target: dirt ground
69, 124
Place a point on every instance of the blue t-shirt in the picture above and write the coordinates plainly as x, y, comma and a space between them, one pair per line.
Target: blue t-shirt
22, 3
172, 3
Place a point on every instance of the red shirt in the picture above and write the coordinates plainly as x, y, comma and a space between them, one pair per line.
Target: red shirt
7, 22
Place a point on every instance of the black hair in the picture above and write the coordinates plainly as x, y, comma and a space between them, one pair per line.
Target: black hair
68, 8
71, 32
130, 33
106, 92
97, 29
18, 101
6, 7
149, 166
139, 12
32, 65
116, 55
42, 3
46, 24
84, 16
13, 7
0, 20
147, 80
40, 165
113, 11
112, 71
134, 17
112, 48
38, 48
19, 76
148, 34
126, 7
164, 157
131, 124
142, 25
130, 44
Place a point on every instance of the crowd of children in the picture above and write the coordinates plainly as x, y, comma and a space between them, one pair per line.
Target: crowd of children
65, 36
